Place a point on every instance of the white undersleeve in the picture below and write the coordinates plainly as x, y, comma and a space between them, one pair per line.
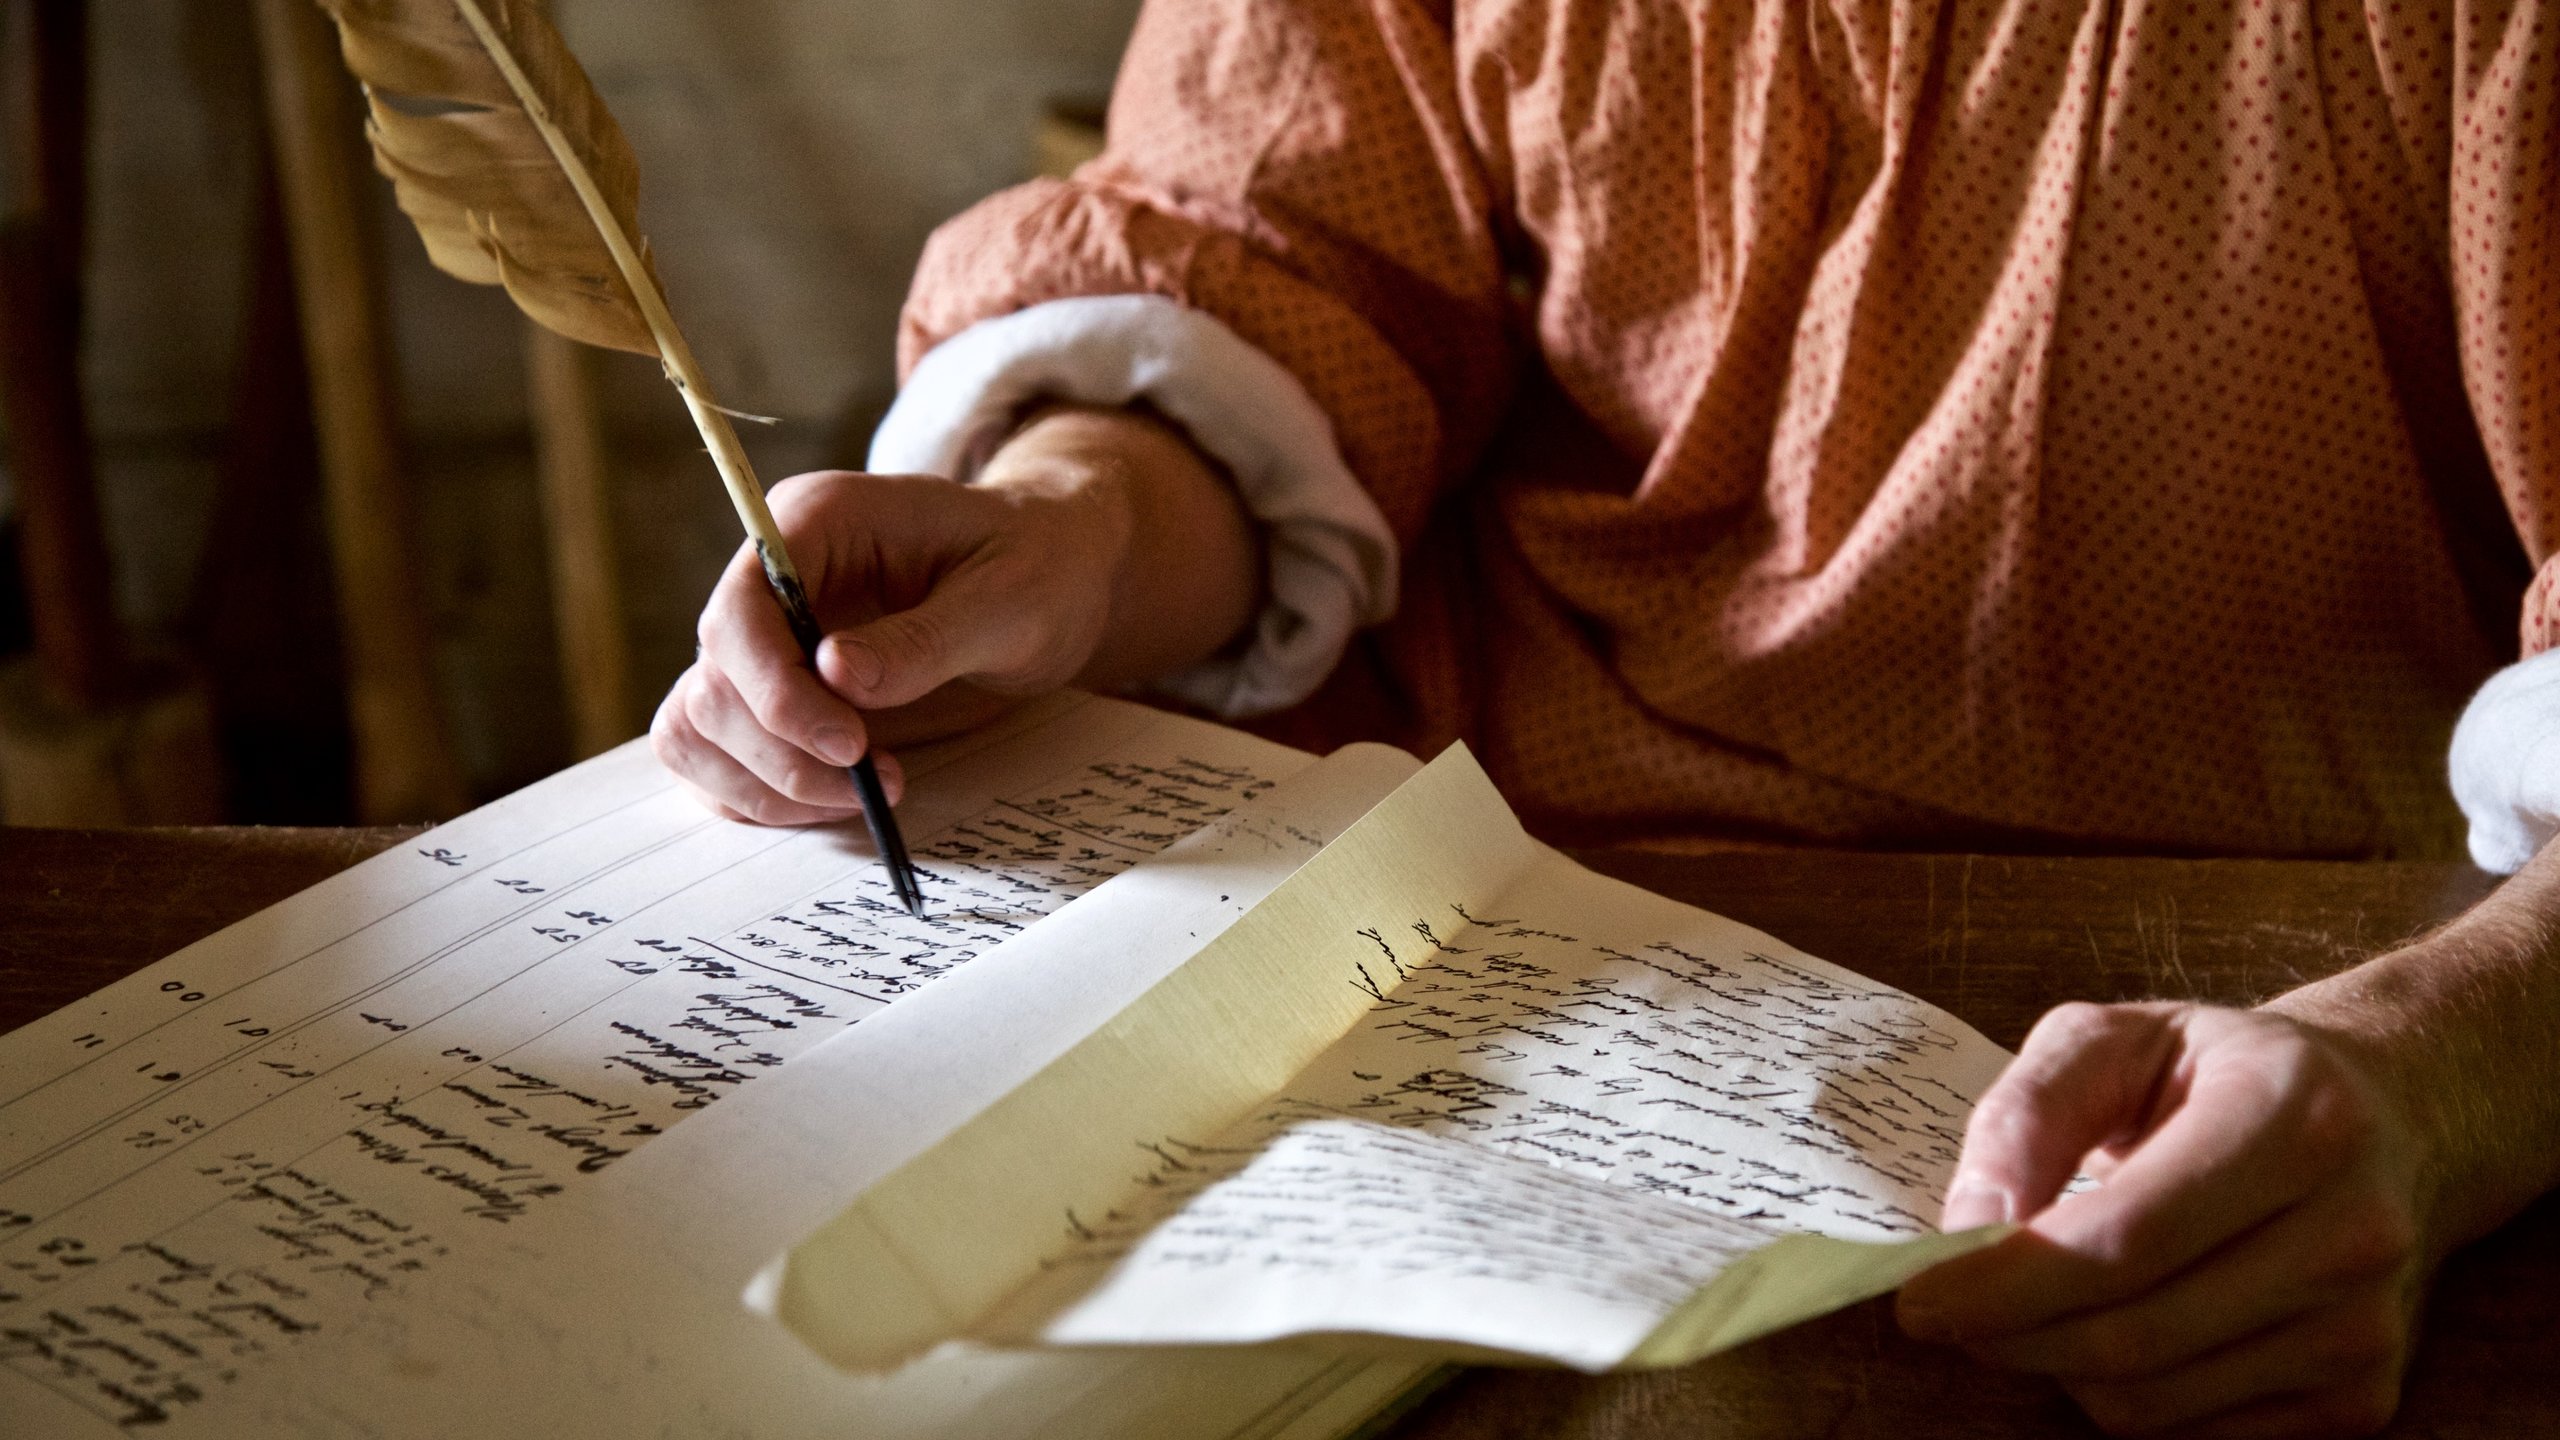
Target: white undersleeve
1332, 559
2506, 763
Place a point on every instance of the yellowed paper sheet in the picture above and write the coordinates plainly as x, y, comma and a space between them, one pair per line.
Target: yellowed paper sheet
925, 1252
1518, 1109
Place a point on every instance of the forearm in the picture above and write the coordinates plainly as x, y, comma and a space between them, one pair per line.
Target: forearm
1187, 573
2462, 1028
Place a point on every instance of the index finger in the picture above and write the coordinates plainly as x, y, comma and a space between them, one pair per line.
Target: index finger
745, 638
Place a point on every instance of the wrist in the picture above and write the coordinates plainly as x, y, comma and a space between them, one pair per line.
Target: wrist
2445, 1028
1067, 454
2375, 1038
1170, 551
1067, 475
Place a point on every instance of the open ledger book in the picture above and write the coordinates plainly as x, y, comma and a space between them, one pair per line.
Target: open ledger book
492, 1132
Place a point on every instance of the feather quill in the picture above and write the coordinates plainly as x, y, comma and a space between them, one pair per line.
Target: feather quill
503, 154
463, 127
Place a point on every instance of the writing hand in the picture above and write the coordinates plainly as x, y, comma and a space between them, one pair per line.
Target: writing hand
2251, 1261
1096, 548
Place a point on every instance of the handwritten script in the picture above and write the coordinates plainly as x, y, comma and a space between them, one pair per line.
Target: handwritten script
250, 1143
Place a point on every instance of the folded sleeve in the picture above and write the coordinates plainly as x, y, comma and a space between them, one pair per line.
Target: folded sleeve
1331, 564
1299, 171
2506, 763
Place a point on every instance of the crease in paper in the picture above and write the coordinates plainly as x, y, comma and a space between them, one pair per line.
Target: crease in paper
977, 1213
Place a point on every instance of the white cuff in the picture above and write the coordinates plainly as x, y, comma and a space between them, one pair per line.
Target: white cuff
2506, 763
1332, 561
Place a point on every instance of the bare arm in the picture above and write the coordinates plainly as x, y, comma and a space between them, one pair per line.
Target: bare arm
1096, 548
2463, 1027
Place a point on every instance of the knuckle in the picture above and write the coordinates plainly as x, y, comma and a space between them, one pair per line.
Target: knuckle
2072, 1024
810, 784
2337, 1120
749, 685
764, 697
788, 780
2117, 1241
719, 622
912, 636
699, 708
767, 808
672, 734
670, 711
2274, 1061
667, 745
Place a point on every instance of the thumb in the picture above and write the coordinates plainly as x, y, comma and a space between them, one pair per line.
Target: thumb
2086, 1076
965, 627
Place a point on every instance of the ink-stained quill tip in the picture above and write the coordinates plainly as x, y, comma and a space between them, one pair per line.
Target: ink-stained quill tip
885, 837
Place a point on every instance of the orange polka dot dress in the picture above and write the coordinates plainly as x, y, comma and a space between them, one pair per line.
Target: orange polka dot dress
2079, 423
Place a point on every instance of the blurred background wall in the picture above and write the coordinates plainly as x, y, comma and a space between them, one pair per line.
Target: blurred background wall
794, 154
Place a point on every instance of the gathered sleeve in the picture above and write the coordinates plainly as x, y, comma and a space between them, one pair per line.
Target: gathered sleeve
2503, 218
1299, 171
2502, 134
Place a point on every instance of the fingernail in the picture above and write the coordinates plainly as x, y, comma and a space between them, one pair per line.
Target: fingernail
861, 663
1972, 1202
834, 744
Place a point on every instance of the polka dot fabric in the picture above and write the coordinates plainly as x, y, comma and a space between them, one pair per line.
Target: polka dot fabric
2106, 424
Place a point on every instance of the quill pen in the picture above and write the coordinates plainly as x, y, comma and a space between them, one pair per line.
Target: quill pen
503, 154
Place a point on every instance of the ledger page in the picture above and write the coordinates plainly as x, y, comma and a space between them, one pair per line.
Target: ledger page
628, 1320
277, 1136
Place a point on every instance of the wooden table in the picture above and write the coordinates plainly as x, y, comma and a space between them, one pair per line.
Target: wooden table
1995, 940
